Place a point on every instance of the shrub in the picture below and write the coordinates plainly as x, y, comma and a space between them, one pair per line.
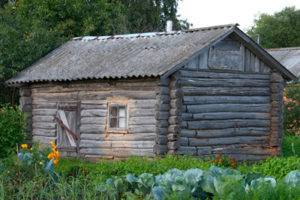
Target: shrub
291, 117
12, 123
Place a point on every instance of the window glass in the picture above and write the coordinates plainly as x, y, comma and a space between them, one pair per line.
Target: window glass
117, 117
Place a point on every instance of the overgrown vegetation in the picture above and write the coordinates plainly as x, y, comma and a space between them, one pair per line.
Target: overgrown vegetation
12, 123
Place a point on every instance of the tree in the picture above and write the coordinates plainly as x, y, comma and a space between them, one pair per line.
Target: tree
279, 30
29, 29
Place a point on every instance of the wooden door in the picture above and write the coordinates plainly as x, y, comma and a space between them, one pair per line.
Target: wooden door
67, 118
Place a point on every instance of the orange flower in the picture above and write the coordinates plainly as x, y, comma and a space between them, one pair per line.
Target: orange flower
24, 146
55, 161
31, 149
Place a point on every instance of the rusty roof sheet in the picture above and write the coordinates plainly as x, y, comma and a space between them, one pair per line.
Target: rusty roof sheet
120, 56
288, 57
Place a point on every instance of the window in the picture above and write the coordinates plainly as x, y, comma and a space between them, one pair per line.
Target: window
117, 117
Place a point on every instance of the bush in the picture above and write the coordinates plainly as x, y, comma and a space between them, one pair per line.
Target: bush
291, 145
291, 116
12, 123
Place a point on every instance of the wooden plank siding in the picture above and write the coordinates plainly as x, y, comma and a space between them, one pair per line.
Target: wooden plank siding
95, 141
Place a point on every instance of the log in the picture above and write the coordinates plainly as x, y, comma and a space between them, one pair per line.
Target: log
187, 116
102, 95
175, 94
161, 139
95, 144
163, 99
183, 141
141, 113
262, 140
248, 131
92, 129
190, 100
161, 131
143, 104
118, 137
125, 152
133, 144
232, 91
242, 149
44, 125
160, 149
25, 92
204, 150
49, 112
163, 81
230, 115
43, 105
219, 124
93, 120
44, 132
142, 129
162, 115
206, 82
41, 118
162, 123
276, 78
206, 108
223, 75
187, 150
162, 90
84, 106
162, 107
96, 151
141, 121
183, 124
94, 113
43, 139
187, 133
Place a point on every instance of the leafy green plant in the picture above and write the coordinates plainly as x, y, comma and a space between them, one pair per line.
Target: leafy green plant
12, 123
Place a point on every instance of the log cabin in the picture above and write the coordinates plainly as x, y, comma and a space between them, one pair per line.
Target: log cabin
198, 92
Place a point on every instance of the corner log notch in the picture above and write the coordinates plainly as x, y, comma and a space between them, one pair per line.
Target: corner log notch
175, 120
276, 126
26, 107
162, 108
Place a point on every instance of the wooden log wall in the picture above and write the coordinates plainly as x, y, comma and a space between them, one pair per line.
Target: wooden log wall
94, 96
162, 109
227, 112
26, 107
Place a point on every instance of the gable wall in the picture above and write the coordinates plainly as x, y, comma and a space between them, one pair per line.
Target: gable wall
93, 98
231, 103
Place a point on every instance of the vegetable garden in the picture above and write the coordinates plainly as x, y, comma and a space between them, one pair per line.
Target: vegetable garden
36, 172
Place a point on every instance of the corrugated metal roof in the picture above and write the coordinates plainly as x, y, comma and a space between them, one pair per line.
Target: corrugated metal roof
288, 57
120, 56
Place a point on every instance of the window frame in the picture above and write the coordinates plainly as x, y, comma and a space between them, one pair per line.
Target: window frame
118, 105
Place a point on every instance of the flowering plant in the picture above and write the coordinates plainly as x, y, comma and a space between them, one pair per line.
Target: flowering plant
39, 157
224, 161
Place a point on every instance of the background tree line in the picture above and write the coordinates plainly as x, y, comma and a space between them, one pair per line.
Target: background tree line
29, 29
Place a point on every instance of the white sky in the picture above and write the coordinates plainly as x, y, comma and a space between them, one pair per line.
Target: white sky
202, 13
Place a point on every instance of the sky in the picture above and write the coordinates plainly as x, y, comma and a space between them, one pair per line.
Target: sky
202, 13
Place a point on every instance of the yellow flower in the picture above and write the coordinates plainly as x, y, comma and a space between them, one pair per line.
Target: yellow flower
24, 146
50, 156
31, 149
53, 145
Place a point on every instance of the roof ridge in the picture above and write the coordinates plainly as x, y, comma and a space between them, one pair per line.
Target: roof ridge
151, 34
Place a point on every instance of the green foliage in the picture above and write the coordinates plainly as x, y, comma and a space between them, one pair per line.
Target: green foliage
29, 29
291, 116
291, 146
279, 30
12, 123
